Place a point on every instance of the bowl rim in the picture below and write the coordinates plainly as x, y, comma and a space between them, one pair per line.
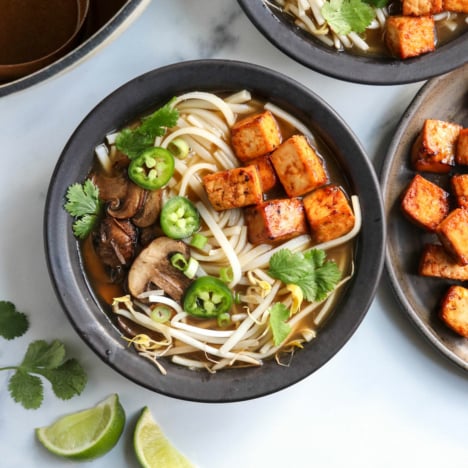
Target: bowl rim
133, 99
348, 67
130, 10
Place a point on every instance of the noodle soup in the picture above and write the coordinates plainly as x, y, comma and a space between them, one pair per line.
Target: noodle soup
310, 16
208, 277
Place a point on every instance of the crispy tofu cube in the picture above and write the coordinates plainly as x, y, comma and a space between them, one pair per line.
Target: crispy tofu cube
275, 220
459, 184
453, 233
421, 7
434, 149
436, 262
299, 168
425, 203
461, 153
266, 172
233, 188
454, 310
410, 36
459, 6
328, 213
255, 135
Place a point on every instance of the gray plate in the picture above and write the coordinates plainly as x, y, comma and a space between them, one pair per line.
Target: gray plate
444, 98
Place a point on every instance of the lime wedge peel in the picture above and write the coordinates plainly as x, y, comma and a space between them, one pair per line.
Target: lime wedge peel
152, 448
86, 434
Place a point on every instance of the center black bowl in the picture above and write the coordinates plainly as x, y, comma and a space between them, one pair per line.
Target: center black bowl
138, 97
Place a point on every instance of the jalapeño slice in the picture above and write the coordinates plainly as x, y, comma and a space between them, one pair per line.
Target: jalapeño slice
179, 218
207, 297
152, 169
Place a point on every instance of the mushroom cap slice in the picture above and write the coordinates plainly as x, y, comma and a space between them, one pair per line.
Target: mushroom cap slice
153, 265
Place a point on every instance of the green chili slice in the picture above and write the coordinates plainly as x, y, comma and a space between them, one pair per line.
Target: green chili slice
207, 297
179, 218
152, 169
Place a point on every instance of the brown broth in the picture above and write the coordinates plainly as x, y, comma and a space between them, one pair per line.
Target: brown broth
30, 29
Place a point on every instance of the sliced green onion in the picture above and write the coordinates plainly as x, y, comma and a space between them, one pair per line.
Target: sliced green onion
198, 241
191, 268
179, 148
178, 261
237, 298
226, 275
161, 313
188, 268
224, 320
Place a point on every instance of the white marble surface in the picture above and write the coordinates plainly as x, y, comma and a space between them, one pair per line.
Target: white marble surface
386, 400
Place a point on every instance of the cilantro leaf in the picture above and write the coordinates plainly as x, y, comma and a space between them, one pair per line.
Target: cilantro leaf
84, 204
288, 266
68, 380
345, 16
133, 141
26, 389
84, 225
47, 360
279, 314
41, 354
12, 323
310, 271
83, 199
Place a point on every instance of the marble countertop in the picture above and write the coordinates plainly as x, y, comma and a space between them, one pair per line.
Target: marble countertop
386, 400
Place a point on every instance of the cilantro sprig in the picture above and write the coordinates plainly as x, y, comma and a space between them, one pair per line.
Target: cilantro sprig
345, 16
133, 141
310, 270
12, 322
84, 204
47, 360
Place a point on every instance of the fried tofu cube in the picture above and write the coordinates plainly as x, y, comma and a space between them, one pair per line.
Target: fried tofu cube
233, 188
421, 7
265, 171
434, 149
454, 310
459, 6
410, 36
299, 168
436, 262
328, 212
255, 135
459, 184
275, 220
425, 203
453, 233
461, 153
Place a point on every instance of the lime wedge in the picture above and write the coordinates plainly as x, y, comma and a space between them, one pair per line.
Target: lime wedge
87, 434
152, 448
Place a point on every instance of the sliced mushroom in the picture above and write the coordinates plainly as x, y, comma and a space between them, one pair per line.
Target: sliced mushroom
116, 241
111, 187
153, 265
150, 210
130, 205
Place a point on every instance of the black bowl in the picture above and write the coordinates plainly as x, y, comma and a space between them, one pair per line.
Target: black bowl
138, 97
360, 69
104, 21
